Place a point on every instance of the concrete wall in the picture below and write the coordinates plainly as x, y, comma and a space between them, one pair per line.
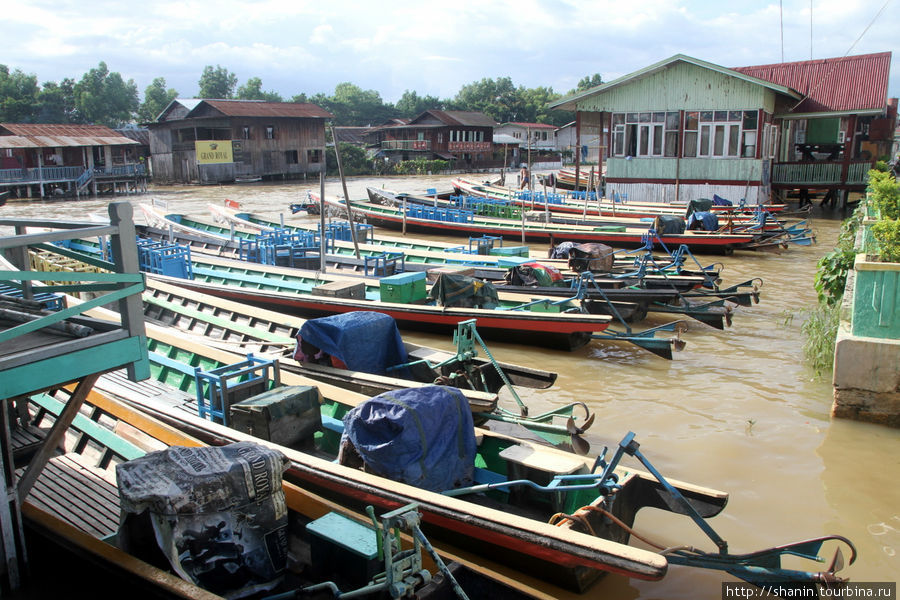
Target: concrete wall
866, 372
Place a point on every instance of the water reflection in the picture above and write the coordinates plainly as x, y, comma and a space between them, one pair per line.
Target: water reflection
738, 410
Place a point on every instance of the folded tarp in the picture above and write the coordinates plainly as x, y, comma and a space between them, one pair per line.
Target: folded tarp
720, 201
419, 436
667, 225
705, 221
463, 291
533, 274
364, 341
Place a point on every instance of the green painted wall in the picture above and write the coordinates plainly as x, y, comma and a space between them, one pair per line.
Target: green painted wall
682, 86
822, 131
731, 169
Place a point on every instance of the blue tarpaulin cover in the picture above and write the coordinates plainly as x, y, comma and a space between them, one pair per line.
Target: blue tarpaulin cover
363, 340
419, 436
706, 221
720, 201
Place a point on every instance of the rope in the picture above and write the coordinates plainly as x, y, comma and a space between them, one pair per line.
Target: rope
559, 518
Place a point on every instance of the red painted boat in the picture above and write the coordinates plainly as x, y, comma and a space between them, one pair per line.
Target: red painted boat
562, 331
547, 233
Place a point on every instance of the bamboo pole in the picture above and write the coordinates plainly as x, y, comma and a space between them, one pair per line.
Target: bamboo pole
337, 155
322, 244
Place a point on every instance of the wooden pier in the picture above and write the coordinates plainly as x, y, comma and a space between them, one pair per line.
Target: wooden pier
41, 354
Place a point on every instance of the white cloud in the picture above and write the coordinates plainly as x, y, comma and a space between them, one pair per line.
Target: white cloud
434, 49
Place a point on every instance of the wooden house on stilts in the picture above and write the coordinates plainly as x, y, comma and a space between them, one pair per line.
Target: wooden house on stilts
684, 128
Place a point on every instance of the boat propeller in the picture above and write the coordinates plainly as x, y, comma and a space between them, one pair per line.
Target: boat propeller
579, 445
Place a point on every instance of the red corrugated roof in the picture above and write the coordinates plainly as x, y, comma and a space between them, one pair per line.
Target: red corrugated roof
42, 135
832, 84
252, 108
59, 129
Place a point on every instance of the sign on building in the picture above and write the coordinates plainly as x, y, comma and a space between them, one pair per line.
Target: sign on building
213, 152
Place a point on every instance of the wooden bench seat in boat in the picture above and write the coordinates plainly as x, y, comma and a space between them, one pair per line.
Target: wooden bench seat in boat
539, 466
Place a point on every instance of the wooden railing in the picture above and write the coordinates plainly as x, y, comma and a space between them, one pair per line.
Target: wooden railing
58, 174
820, 173
421, 145
123, 285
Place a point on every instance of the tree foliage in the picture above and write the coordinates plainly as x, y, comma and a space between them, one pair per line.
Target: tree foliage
411, 104
104, 98
156, 99
217, 83
252, 90
588, 82
56, 102
18, 96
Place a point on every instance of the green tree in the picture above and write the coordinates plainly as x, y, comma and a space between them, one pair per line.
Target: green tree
351, 105
411, 104
105, 98
18, 96
156, 99
252, 90
588, 81
536, 101
217, 83
353, 160
299, 99
499, 99
56, 102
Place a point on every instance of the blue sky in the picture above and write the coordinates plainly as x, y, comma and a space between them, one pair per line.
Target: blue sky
432, 48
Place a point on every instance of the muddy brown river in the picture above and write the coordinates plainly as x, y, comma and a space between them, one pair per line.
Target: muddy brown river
738, 410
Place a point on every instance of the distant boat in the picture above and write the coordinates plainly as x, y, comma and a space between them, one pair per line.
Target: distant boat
247, 179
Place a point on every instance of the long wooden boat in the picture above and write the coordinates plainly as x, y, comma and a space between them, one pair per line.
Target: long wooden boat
565, 179
697, 241
572, 554
498, 526
292, 291
566, 553
75, 504
549, 321
273, 334
483, 266
563, 210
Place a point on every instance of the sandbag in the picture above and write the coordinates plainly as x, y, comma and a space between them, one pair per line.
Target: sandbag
218, 514
597, 258
420, 436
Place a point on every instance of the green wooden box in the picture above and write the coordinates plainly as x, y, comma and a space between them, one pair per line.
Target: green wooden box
286, 415
344, 548
403, 288
876, 299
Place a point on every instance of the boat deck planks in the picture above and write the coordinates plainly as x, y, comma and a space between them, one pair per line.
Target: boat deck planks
79, 493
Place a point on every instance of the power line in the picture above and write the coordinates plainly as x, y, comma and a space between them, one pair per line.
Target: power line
849, 50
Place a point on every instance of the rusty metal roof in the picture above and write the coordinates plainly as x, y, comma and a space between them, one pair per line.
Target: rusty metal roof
457, 117
850, 83
255, 108
39, 135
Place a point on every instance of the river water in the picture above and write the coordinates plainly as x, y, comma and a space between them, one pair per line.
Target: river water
738, 410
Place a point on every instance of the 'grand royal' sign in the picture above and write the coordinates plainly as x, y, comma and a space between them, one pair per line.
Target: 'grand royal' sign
213, 152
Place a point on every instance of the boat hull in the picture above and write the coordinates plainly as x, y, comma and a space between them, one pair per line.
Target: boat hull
702, 242
559, 331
